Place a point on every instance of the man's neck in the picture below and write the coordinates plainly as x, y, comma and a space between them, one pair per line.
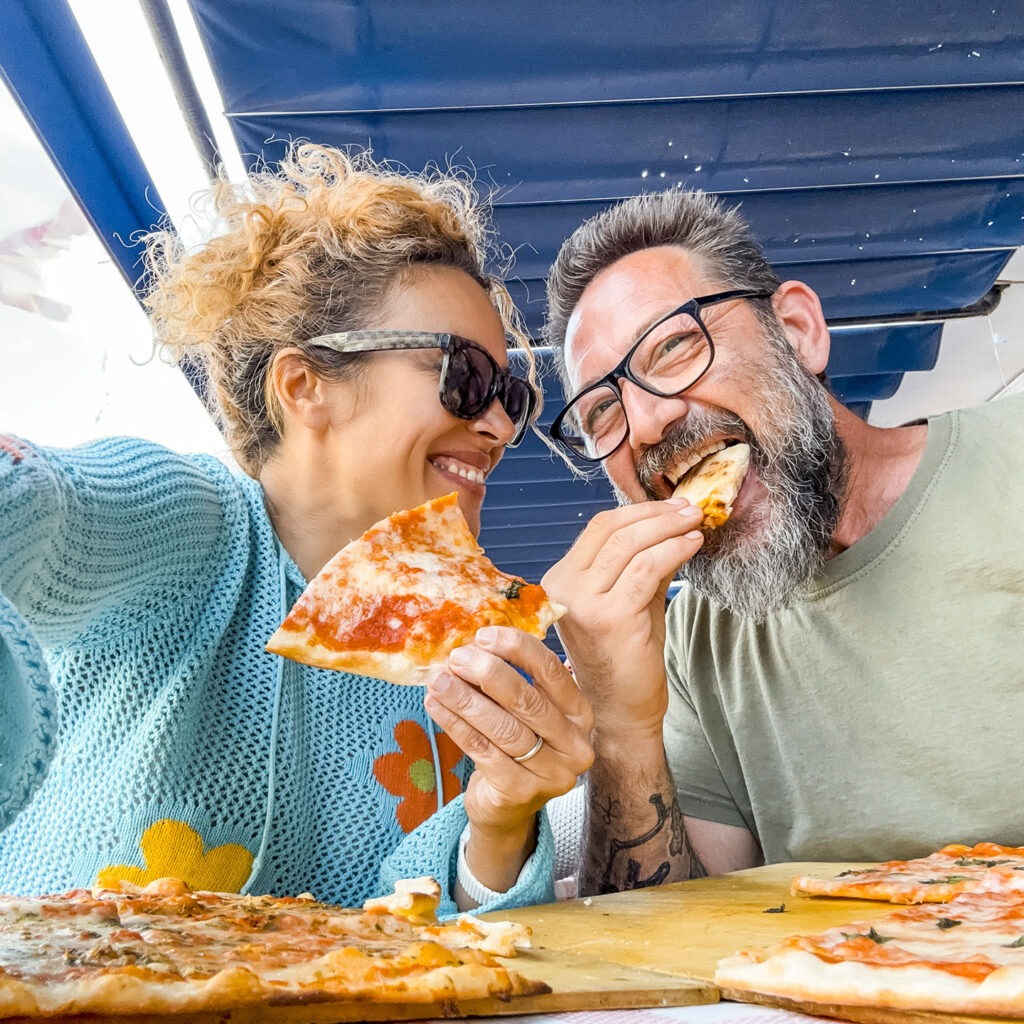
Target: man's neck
880, 463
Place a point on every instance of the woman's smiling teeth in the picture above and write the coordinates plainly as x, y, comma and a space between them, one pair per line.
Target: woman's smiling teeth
447, 465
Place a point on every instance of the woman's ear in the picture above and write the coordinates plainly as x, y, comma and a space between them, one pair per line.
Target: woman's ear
301, 394
798, 309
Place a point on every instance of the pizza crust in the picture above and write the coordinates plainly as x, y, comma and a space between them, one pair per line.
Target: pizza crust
800, 976
713, 484
937, 878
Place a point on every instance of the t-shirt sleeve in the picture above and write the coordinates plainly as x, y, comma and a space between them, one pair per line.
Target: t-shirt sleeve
701, 789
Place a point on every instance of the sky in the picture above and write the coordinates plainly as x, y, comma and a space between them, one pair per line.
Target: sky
77, 351
77, 355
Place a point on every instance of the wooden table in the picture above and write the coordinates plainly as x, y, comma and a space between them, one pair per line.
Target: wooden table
684, 929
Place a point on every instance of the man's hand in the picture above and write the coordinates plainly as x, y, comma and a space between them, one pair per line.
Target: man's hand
614, 582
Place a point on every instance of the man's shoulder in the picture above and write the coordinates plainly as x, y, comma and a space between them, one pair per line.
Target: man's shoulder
1005, 415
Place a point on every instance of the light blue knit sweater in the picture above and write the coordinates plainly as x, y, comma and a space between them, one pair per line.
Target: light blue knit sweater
144, 729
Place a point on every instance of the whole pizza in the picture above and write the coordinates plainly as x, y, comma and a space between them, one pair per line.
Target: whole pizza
959, 950
165, 949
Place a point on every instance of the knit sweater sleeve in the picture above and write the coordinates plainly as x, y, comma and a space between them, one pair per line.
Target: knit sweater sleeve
115, 523
83, 533
433, 849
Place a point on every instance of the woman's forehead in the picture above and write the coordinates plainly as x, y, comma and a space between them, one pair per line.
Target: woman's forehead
445, 300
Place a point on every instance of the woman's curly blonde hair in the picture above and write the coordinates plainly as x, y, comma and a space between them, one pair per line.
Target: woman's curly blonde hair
313, 248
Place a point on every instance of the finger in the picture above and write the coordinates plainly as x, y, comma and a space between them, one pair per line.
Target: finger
473, 743
624, 545
529, 705
649, 571
595, 536
476, 709
549, 675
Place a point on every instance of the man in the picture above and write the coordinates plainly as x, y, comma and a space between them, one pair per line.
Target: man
841, 671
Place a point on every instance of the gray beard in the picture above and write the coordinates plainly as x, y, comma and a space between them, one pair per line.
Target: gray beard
755, 566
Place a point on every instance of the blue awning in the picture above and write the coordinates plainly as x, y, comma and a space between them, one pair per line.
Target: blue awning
877, 151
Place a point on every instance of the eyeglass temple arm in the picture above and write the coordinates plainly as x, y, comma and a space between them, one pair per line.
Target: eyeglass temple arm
378, 341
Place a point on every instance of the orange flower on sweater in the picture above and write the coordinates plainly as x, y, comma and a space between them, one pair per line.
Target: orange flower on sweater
410, 773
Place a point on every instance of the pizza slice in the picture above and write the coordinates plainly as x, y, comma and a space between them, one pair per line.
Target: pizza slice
714, 482
399, 599
966, 956
937, 878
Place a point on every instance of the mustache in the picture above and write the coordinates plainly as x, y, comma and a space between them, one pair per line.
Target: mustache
688, 436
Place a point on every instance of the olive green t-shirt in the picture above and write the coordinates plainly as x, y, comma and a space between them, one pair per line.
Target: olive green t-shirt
881, 715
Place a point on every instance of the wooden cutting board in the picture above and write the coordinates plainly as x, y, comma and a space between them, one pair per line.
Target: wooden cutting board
686, 928
578, 982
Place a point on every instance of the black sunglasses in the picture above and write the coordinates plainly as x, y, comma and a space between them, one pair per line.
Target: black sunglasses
470, 378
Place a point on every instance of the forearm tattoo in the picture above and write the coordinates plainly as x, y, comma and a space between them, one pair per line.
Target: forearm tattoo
620, 870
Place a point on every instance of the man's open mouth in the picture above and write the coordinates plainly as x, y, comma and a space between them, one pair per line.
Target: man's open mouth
690, 463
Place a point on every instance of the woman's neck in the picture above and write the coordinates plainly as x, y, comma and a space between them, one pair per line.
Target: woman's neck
306, 518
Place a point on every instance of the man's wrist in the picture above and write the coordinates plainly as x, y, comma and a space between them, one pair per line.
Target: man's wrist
635, 745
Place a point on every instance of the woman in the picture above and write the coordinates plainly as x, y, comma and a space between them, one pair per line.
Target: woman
145, 732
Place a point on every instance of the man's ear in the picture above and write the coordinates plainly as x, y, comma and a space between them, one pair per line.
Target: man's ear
798, 309
301, 394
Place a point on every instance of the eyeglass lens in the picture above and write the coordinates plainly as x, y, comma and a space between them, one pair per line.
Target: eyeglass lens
667, 361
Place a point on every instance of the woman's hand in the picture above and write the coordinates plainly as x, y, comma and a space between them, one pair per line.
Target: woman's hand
495, 716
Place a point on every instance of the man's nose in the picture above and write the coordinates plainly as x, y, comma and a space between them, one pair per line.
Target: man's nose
649, 416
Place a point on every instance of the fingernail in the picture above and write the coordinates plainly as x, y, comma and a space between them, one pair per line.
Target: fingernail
487, 635
441, 683
460, 656
677, 501
691, 510
693, 535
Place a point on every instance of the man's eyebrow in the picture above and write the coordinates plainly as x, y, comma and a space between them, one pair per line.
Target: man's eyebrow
637, 335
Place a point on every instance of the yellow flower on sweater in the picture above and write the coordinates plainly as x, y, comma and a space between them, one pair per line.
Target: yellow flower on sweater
173, 849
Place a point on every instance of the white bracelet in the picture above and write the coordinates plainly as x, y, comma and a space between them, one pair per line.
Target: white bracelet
475, 890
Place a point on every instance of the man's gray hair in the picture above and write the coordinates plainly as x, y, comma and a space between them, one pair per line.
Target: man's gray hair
696, 221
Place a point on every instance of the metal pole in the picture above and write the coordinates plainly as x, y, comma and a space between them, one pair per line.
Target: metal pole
168, 44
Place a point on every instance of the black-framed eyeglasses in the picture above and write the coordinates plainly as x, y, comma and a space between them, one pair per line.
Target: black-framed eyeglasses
470, 378
666, 360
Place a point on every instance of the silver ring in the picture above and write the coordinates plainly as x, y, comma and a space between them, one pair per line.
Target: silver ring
532, 752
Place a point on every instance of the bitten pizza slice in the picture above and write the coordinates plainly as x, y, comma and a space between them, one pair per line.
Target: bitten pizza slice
714, 483
937, 878
399, 599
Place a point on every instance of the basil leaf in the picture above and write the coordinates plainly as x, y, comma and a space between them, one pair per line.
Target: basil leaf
513, 589
948, 922
1016, 944
871, 934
